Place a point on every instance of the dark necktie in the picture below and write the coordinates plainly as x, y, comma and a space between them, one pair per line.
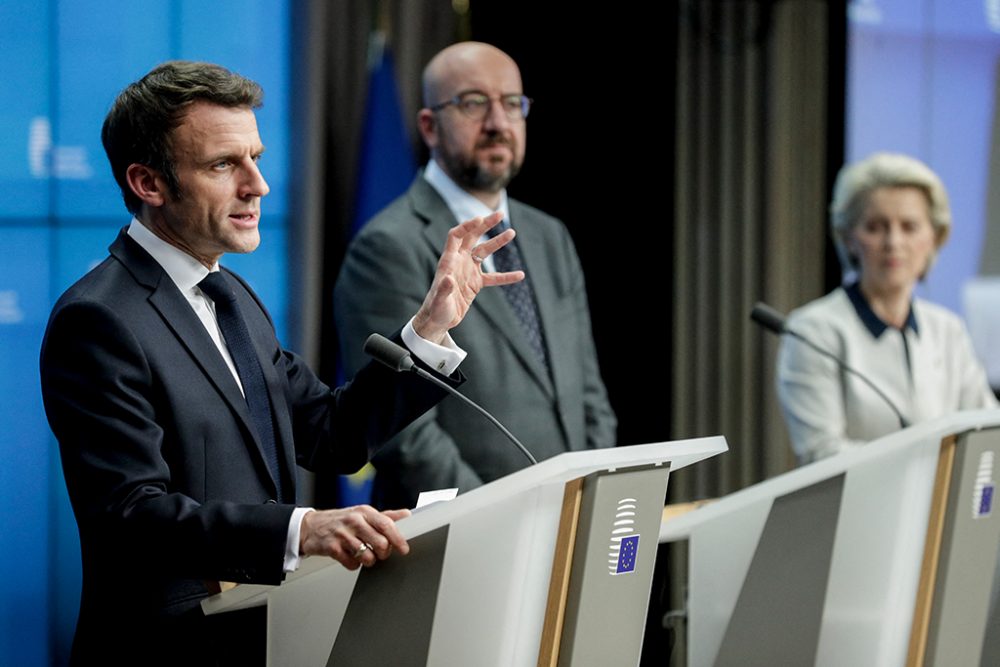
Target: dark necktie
234, 330
520, 295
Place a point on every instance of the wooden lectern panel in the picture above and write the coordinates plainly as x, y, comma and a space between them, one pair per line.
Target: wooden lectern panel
562, 566
932, 554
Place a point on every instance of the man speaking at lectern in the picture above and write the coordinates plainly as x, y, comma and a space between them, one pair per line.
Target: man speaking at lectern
181, 419
535, 364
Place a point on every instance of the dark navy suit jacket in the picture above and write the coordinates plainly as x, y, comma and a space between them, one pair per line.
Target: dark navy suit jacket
163, 467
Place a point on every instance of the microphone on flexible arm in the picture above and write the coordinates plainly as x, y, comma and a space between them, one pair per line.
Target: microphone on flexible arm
398, 359
773, 321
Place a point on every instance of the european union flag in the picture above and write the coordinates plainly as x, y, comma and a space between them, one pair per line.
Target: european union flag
386, 164
986, 501
386, 167
626, 556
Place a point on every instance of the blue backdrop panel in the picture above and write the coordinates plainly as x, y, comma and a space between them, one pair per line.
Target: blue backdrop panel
24, 449
921, 80
24, 89
62, 64
959, 138
101, 47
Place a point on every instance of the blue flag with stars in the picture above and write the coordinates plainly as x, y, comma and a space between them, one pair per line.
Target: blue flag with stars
386, 167
626, 556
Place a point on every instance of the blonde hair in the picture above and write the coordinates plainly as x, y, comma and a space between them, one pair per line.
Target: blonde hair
858, 180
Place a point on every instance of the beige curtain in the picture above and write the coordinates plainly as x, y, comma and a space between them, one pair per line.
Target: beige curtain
750, 224
750, 199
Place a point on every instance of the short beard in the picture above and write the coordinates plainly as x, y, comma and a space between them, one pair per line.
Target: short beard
470, 177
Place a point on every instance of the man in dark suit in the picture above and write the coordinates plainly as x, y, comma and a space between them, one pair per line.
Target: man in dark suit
179, 416
535, 367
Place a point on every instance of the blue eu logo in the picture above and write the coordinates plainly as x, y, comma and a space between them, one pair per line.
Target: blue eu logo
626, 555
986, 501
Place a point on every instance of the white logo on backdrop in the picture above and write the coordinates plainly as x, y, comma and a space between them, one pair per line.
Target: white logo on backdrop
10, 309
991, 9
864, 11
46, 160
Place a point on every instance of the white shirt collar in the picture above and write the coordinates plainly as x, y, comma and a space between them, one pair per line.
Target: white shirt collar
183, 269
462, 204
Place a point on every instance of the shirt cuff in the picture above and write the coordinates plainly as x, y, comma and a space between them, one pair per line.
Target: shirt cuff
442, 358
292, 557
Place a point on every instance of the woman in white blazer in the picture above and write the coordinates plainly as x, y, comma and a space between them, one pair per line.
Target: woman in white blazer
889, 216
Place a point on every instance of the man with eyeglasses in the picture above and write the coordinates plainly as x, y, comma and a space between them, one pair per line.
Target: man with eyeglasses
531, 360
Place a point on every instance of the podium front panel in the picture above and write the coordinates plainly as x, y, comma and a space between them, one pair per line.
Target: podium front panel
613, 567
874, 565
964, 586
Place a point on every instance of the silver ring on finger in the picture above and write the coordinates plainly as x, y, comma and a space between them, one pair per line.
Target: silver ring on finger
361, 550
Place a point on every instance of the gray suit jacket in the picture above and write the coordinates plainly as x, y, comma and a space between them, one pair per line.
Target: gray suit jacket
387, 267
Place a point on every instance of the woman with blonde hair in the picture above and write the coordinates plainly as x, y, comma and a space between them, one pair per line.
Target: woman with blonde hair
889, 217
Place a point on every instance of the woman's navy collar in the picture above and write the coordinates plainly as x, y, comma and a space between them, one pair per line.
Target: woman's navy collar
872, 322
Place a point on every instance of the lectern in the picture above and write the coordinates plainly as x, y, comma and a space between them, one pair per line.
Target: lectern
884, 555
548, 566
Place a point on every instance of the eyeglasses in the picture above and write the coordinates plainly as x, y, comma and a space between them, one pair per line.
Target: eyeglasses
476, 105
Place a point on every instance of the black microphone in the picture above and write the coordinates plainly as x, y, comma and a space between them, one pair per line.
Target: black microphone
385, 351
773, 321
398, 359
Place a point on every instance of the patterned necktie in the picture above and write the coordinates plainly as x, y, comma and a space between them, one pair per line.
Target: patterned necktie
520, 295
234, 330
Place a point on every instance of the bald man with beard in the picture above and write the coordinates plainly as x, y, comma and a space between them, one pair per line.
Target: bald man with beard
531, 361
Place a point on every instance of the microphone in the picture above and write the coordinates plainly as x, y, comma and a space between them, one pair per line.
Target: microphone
768, 318
773, 321
385, 351
398, 359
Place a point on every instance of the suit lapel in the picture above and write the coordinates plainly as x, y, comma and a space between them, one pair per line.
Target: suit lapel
491, 302
179, 317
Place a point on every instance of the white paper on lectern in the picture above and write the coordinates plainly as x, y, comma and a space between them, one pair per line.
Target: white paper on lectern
438, 496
